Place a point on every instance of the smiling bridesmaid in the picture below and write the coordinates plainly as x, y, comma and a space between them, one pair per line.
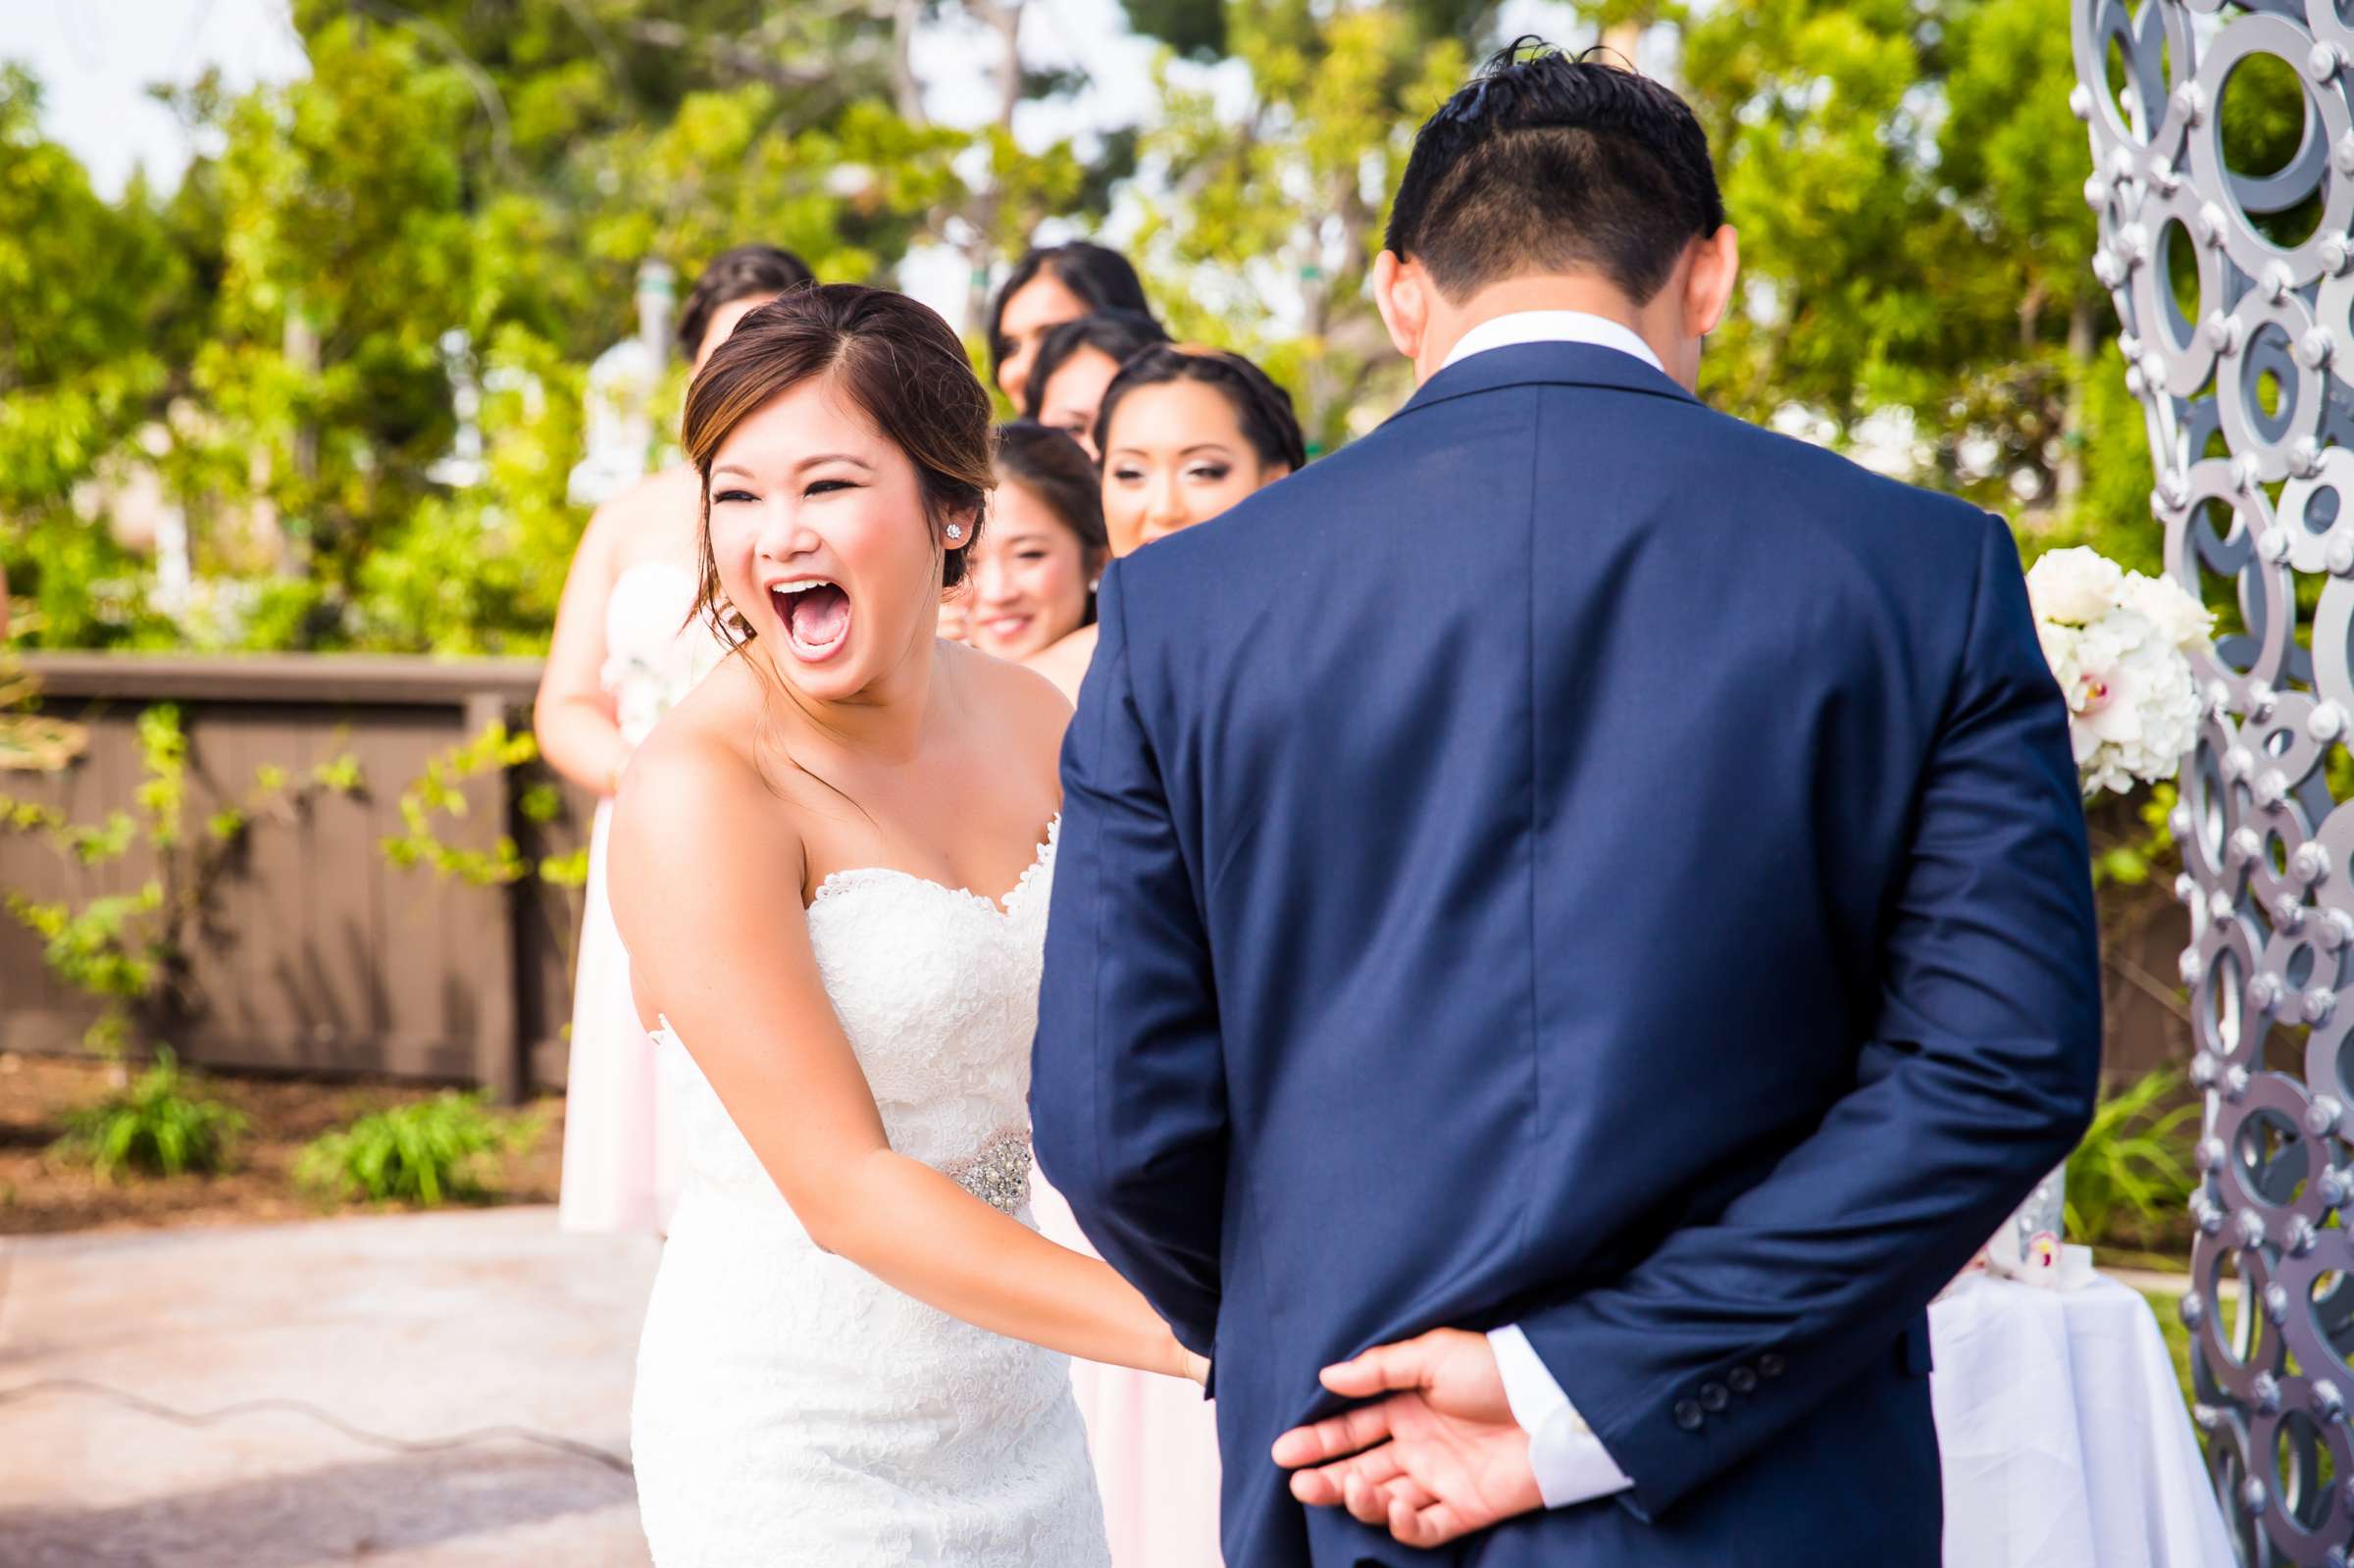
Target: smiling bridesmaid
1033, 568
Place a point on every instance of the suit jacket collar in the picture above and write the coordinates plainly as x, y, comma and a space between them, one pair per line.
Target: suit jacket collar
1566, 363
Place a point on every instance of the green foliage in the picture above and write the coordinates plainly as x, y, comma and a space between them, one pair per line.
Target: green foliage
2134, 1164
159, 1124
260, 347
2131, 860
425, 1154
263, 348
439, 793
1336, 96
132, 950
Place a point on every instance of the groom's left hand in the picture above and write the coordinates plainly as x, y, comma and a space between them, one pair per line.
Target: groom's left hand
1439, 1458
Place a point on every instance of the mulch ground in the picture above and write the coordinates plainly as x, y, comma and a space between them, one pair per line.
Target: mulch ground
41, 1192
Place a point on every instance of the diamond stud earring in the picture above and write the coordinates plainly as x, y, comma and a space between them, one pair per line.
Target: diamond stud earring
955, 531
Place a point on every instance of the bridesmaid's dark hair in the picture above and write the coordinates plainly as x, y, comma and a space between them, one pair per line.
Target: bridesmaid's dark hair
897, 363
1261, 408
1056, 469
1100, 277
742, 273
1117, 334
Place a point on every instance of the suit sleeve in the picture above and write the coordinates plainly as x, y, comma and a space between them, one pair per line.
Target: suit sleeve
1127, 1088
1978, 1076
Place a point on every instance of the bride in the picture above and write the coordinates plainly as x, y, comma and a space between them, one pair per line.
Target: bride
850, 1353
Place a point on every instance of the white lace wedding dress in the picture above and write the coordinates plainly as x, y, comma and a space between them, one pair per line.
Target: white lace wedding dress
793, 1410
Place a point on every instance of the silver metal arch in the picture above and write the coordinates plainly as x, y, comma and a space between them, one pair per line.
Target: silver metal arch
2260, 529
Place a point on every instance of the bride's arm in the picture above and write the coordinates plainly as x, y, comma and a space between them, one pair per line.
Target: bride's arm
705, 872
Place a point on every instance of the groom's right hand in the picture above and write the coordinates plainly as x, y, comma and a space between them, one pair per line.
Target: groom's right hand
1438, 1459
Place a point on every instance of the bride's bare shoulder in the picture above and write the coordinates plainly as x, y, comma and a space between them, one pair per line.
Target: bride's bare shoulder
694, 796
1013, 697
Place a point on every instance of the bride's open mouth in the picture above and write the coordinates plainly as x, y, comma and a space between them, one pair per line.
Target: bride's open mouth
815, 615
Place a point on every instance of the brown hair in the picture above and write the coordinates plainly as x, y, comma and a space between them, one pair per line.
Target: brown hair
1058, 472
1261, 408
733, 274
897, 363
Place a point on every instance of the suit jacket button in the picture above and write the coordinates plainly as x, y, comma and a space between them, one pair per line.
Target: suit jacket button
1743, 1380
1687, 1414
1771, 1365
1713, 1397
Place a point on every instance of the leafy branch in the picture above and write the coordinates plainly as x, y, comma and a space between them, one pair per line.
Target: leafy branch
439, 793
133, 951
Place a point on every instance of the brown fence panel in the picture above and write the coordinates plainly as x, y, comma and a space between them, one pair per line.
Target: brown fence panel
321, 956
318, 954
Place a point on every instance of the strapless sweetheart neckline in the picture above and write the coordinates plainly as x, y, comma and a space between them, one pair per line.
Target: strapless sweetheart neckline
838, 883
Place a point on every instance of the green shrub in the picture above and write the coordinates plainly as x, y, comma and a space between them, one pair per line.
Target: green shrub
2134, 1164
157, 1124
425, 1154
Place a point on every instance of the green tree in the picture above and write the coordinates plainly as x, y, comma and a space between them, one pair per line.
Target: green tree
1909, 186
1282, 215
87, 293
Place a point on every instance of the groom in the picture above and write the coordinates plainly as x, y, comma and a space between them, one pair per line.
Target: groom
1576, 891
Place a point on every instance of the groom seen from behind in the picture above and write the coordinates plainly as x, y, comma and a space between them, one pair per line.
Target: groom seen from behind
1577, 892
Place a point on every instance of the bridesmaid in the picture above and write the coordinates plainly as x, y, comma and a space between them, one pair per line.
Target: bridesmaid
1047, 288
1033, 569
1077, 360
1186, 431
622, 654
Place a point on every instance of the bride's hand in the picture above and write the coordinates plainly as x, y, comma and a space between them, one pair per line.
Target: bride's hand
1179, 1362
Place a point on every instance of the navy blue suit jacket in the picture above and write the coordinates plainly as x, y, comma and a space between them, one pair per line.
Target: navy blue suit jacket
1573, 858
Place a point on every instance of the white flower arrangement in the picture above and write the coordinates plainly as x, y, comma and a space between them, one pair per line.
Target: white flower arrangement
2119, 645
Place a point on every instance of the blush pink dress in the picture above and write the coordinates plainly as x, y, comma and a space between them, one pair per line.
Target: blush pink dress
622, 1165
1153, 1440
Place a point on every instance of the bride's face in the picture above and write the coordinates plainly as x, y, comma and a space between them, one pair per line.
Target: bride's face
819, 532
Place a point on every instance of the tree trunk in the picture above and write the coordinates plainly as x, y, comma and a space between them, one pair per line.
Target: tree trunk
2068, 480
300, 346
907, 94
1004, 19
1626, 39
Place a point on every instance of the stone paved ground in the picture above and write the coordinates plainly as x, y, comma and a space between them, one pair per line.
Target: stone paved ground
414, 1331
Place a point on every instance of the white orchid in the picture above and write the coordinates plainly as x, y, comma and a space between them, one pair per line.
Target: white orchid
2119, 645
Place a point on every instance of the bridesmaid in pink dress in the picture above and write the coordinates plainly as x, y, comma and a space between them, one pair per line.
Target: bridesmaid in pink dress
623, 652
1185, 434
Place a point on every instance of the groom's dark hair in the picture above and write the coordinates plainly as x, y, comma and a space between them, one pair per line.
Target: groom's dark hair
1546, 162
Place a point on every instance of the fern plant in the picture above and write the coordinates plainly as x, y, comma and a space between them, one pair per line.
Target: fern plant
157, 1124
426, 1154
2134, 1159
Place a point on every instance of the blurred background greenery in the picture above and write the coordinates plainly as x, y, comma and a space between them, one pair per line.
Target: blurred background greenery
258, 346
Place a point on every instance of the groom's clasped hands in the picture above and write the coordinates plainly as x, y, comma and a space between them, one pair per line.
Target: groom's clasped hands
1441, 1457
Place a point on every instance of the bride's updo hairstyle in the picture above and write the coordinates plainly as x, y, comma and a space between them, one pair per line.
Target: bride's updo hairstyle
895, 360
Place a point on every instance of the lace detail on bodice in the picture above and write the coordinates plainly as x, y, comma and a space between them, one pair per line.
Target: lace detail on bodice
794, 1411
653, 655
936, 988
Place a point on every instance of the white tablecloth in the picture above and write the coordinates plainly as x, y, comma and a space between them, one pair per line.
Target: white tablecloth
2063, 1431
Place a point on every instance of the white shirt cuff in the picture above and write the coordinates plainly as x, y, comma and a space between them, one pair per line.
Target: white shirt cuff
1570, 1463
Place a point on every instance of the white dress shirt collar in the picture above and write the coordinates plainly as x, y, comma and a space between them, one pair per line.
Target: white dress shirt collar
1551, 326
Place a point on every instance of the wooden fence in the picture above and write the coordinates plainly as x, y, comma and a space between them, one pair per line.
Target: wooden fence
321, 955
317, 953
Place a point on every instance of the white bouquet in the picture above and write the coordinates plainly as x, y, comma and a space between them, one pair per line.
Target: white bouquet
2120, 645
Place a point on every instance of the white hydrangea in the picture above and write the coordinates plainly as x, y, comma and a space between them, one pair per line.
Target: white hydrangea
2119, 645
2180, 619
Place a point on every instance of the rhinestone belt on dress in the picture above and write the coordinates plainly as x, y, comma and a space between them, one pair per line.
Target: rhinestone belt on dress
999, 1175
